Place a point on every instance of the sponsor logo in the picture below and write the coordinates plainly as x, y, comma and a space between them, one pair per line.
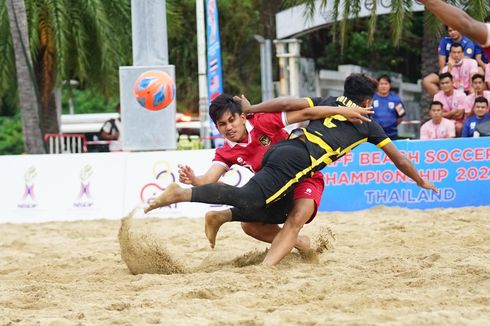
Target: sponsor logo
28, 199
308, 191
265, 140
163, 176
84, 198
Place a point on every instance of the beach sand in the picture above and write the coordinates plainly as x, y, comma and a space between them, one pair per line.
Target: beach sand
383, 266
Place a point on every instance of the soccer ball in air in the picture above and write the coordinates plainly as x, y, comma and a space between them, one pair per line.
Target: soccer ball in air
154, 90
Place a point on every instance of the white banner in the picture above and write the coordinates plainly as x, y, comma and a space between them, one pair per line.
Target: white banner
38, 188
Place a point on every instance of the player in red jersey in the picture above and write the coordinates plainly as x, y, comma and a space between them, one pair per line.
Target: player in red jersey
248, 135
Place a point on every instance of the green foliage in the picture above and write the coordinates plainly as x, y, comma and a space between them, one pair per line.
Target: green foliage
11, 139
381, 55
86, 101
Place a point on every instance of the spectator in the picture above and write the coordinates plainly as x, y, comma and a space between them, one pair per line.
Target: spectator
461, 68
478, 90
431, 81
487, 75
487, 49
481, 58
388, 108
480, 110
453, 101
438, 127
111, 130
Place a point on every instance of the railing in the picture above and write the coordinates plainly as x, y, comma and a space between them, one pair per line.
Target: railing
64, 143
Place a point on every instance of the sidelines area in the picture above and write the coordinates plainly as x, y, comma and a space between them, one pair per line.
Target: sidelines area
39, 188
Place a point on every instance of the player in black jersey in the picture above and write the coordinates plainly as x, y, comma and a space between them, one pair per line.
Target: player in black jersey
323, 141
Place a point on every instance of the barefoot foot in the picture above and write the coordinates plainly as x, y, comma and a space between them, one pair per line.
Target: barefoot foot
213, 221
171, 194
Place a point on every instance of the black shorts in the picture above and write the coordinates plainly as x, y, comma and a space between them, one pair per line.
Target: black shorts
275, 213
283, 166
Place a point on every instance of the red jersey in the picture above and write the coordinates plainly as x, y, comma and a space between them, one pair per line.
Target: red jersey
264, 129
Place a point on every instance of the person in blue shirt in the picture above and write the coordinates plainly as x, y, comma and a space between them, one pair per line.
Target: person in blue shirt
480, 110
388, 108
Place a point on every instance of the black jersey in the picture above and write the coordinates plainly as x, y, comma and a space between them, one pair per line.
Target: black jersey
329, 139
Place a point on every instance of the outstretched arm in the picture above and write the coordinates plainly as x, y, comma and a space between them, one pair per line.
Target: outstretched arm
354, 114
279, 104
458, 19
406, 166
187, 176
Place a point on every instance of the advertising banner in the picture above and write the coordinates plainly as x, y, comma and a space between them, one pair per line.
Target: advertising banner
365, 177
39, 188
215, 76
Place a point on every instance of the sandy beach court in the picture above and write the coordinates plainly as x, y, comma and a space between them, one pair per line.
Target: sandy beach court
385, 266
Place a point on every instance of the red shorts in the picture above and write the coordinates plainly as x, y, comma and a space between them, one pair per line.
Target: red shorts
311, 188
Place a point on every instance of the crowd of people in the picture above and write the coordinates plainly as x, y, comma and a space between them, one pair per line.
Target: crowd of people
460, 88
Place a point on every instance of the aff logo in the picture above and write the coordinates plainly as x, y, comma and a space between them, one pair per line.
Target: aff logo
84, 198
28, 199
163, 176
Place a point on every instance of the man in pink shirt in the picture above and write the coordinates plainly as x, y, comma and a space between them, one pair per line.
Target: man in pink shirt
487, 75
438, 127
453, 101
478, 86
462, 68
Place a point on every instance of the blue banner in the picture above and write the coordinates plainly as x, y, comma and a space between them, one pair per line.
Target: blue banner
366, 177
215, 78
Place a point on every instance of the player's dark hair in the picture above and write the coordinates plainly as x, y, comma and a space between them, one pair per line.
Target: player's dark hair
435, 103
456, 45
445, 75
384, 77
224, 103
487, 19
476, 76
358, 87
481, 99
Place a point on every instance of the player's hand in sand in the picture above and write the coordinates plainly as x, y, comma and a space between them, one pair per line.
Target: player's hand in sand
427, 185
186, 174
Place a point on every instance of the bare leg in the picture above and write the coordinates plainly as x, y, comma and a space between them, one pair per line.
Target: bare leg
213, 221
431, 84
267, 233
287, 238
172, 194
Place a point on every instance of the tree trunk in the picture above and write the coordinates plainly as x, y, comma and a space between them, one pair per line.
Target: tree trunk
429, 65
29, 103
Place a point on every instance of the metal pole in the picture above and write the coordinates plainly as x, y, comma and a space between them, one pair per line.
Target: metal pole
269, 93
201, 67
294, 47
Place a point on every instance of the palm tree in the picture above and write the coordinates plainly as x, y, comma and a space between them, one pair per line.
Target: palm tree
25, 77
66, 39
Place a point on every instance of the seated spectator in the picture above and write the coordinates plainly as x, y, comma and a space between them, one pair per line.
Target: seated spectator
481, 58
453, 101
480, 110
431, 81
487, 76
487, 49
111, 130
478, 86
461, 68
388, 108
438, 127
